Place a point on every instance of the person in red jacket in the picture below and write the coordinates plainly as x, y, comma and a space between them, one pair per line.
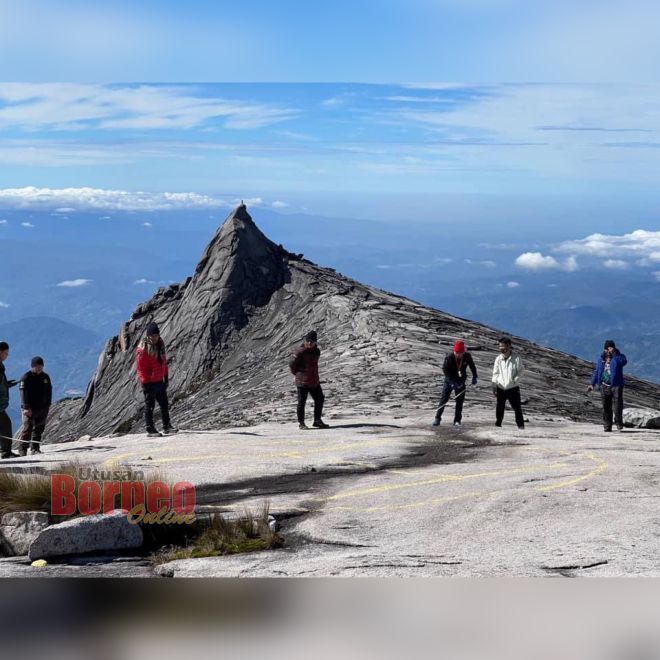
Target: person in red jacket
305, 367
152, 371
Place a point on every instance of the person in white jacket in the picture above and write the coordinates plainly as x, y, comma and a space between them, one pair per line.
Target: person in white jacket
507, 371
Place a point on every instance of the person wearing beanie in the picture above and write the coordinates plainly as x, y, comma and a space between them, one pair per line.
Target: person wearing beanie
36, 396
507, 371
608, 378
153, 373
152, 329
305, 367
6, 431
455, 368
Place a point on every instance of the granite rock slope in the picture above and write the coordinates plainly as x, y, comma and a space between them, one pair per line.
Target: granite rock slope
232, 326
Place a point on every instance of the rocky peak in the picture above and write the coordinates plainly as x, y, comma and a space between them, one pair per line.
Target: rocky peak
240, 239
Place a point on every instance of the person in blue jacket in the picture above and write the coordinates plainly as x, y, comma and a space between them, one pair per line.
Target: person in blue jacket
608, 378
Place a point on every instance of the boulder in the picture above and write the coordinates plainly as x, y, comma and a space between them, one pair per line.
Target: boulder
18, 530
641, 418
78, 536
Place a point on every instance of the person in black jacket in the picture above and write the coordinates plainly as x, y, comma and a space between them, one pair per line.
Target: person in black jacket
36, 396
6, 433
455, 369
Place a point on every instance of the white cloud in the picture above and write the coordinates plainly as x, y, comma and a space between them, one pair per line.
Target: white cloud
3, 222
4, 305
333, 102
443, 260
443, 86
513, 285
537, 261
65, 209
500, 246
143, 280
29, 225
616, 264
277, 204
73, 106
641, 245
486, 263
656, 274
74, 283
418, 99
147, 224
102, 199
251, 201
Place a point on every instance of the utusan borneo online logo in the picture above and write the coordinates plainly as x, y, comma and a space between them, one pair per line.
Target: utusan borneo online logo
91, 491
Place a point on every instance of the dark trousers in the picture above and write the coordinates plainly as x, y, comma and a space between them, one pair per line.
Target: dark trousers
513, 397
33, 429
155, 392
316, 394
6, 433
612, 404
459, 399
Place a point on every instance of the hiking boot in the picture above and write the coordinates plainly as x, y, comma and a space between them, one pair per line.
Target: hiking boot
608, 429
152, 433
320, 424
22, 452
10, 454
436, 422
619, 427
457, 423
170, 430
302, 426
498, 424
35, 450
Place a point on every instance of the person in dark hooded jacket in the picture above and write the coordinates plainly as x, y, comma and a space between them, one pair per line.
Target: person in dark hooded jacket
36, 397
608, 378
6, 431
305, 367
455, 367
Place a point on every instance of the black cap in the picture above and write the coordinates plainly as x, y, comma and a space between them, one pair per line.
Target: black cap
153, 329
311, 336
609, 344
37, 361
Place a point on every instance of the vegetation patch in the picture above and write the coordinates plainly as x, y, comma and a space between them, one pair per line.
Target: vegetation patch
221, 537
24, 492
32, 490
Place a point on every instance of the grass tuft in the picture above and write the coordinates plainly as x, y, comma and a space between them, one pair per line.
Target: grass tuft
222, 537
31, 491
24, 492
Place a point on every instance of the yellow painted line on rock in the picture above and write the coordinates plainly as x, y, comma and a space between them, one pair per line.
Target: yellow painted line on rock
296, 454
436, 500
601, 466
438, 480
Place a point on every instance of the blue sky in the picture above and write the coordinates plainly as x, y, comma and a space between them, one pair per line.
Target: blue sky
363, 40
540, 119
312, 146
